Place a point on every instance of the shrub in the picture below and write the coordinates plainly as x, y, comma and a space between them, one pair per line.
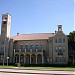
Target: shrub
17, 64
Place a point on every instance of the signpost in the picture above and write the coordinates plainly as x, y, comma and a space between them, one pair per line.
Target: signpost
7, 60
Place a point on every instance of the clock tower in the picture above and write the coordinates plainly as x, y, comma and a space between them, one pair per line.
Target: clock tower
5, 35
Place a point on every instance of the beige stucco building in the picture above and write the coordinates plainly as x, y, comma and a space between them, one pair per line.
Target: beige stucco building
40, 48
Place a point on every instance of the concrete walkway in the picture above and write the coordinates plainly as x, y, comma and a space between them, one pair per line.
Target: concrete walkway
22, 71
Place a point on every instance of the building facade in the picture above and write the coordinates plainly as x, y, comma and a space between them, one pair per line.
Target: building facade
40, 48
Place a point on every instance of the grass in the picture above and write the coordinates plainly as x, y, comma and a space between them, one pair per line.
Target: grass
7, 66
50, 68
41, 68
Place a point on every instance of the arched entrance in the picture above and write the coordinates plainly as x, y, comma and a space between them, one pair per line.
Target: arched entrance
39, 59
27, 61
16, 58
22, 59
33, 59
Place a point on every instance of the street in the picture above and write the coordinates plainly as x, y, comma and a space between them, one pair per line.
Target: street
17, 74
34, 72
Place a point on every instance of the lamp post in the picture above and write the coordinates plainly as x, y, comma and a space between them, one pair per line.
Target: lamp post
7, 60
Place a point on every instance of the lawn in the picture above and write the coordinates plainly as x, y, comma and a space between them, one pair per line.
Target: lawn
7, 66
50, 68
41, 68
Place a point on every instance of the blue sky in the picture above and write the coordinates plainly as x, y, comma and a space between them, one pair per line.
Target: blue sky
39, 16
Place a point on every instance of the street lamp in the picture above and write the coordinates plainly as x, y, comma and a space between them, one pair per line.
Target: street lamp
7, 60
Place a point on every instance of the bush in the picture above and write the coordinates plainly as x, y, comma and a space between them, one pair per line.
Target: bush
17, 64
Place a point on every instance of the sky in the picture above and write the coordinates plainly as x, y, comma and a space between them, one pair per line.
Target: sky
39, 16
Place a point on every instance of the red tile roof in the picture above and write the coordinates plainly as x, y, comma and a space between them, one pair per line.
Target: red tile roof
38, 36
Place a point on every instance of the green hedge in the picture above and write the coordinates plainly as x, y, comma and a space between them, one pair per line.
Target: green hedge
17, 64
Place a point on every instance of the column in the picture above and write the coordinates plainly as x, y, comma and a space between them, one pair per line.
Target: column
42, 59
25, 50
30, 59
19, 55
24, 59
36, 50
14, 57
36, 58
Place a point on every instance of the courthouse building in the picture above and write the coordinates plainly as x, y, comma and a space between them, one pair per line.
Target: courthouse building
39, 48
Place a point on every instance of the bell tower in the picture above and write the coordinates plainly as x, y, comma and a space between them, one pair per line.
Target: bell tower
5, 28
5, 35
59, 27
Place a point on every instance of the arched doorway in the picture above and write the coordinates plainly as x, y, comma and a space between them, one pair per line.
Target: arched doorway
16, 58
39, 59
27, 61
22, 59
33, 59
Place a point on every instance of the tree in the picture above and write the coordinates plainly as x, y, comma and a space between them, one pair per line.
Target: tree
71, 37
71, 46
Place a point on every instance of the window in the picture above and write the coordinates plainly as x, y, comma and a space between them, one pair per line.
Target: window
63, 40
5, 18
60, 53
2, 42
60, 48
56, 48
4, 22
12, 49
31, 46
60, 59
37, 46
63, 48
26, 46
56, 59
42, 46
3, 32
60, 40
21, 46
55, 40
64, 59
50, 48
50, 41
2, 49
